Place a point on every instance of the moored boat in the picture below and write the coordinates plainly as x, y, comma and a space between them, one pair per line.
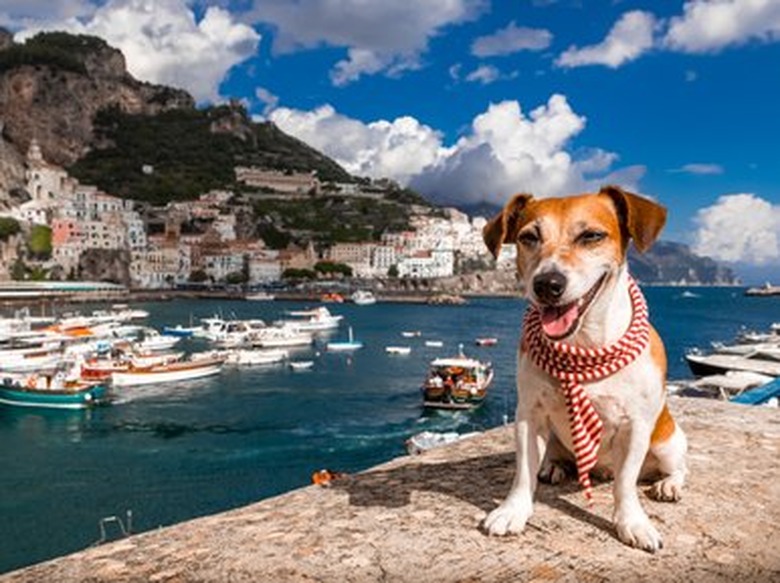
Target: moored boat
363, 298
400, 350
345, 346
69, 395
457, 382
167, 373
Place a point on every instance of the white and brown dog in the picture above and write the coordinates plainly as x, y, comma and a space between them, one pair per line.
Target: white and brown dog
571, 261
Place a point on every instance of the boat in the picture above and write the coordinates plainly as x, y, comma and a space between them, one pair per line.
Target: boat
411, 333
34, 361
709, 364
153, 341
402, 350
316, 320
434, 343
34, 392
347, 346
181, 331
259, 296
457, 382
489, 341
332, 297
725, 386
282, 336
301, 364
363, 298
166, 373
764, 394
255, 357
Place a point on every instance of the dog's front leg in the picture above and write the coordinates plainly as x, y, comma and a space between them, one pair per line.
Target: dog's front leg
633, 526
514, 512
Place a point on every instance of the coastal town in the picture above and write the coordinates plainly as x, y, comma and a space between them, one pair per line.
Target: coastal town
156, 251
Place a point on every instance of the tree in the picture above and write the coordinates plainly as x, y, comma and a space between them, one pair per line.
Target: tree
393, 271
8, 228
199, 276
39, 243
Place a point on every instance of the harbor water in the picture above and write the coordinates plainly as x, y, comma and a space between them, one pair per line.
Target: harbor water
158, 455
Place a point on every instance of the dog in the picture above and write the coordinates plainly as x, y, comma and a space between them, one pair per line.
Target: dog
572, 267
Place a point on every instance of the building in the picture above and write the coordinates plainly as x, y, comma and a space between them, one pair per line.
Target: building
292, 183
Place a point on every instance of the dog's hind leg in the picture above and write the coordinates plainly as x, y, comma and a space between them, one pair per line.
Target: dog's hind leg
558, 464
668, 447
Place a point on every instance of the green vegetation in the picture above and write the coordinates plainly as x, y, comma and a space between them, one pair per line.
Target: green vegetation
298, 274
39, 243
330, 268
8, 228
180, 154
58, 50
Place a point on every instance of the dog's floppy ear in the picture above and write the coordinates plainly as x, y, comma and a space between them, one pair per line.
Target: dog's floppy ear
640, 218
503, 227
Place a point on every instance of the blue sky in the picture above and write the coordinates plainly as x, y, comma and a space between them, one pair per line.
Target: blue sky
472, 100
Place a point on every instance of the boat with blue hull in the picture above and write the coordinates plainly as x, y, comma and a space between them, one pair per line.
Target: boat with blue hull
76, 396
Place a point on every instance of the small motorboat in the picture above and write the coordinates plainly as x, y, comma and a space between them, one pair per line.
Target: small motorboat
363, 298
401, 350
347, 346
299, 365
411, 333
434, 343
487, 341
255, 357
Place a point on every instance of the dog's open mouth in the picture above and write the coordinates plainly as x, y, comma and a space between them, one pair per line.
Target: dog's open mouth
561, 321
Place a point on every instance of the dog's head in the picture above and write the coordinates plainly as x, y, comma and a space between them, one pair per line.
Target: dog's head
569, 250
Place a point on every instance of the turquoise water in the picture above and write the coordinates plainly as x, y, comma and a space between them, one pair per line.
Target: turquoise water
174, 452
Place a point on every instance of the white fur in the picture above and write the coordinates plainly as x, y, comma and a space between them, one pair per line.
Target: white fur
628, 403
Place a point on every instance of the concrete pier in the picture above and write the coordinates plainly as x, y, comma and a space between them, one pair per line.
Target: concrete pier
416, 519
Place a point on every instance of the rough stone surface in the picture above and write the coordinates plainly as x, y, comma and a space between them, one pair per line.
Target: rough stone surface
416, 519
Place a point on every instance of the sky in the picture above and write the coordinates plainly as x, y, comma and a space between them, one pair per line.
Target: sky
471, 101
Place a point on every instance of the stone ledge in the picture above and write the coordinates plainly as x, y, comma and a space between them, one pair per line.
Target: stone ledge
416, 519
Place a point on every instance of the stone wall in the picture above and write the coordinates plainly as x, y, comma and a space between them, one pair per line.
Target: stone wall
416, 519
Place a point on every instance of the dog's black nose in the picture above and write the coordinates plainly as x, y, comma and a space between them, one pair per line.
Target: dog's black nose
549, 287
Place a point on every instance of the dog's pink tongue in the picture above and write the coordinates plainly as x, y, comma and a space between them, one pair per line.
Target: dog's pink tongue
557, 321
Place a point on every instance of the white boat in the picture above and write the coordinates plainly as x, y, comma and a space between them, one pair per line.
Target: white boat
434, 343
426, 440
363, 298
30, 362
301, 364
347, 346
703, 365
167, 373
316, 320
256, 357
401, 350
260, 296
153, 341
237, 333
283, 336
411, 333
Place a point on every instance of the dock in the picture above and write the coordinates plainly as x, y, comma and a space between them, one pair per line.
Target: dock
416, 519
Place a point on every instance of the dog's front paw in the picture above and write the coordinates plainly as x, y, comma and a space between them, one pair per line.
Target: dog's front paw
668, 489
509, 518
638, 532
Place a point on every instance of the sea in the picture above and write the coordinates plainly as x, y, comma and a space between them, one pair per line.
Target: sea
159, 455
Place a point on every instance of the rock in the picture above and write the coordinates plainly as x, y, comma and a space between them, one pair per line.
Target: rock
416, 519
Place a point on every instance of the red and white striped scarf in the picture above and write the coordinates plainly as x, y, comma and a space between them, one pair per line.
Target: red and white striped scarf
574, 365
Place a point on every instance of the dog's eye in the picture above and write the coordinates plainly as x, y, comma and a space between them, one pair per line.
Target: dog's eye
529, 238
591, 237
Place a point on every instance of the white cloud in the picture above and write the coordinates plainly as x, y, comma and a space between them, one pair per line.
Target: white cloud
505, 151
268, 99
163, 43
711, 25
484, 74
19, 14
379, 36
511, 39
699, 168
739, 228
629, 38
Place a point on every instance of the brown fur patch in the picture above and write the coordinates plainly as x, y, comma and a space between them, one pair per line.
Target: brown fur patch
664, 427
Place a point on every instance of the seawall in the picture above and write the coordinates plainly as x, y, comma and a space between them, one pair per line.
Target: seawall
416, 519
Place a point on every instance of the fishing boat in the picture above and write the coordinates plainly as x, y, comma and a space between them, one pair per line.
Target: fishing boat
457, 382
37, 392
167, 373
345, 346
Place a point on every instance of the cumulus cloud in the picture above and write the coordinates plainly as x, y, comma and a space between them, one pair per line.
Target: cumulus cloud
511, 39
379, 36
504, 151
163, 43
629, 38
739, 228
699, 168
711, 25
